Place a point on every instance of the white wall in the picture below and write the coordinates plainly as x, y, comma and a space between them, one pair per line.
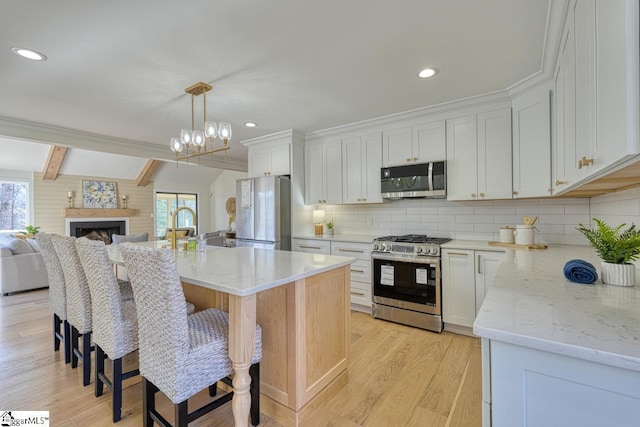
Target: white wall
474, 220
223, 188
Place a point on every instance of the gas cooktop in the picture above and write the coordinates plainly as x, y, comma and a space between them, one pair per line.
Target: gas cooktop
413, 238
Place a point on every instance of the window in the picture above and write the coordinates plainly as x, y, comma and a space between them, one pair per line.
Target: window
14, 205
166, 203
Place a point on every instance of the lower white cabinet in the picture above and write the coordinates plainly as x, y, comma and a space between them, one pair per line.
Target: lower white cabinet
530, 387
466, 277
361, 297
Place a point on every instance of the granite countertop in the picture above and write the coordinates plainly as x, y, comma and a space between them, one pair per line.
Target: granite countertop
531, 304
355, 238
242, 270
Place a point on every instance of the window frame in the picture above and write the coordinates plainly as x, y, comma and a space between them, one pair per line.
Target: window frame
177, 195
26, 179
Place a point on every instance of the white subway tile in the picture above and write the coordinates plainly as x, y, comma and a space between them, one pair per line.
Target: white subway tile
506, 210
536, 210
564, 219
474, 219
457, 210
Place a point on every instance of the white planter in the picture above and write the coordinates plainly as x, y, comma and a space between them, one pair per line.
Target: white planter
328, 232
618, 274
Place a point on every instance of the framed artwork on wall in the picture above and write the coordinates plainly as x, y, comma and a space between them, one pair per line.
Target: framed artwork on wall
100, 195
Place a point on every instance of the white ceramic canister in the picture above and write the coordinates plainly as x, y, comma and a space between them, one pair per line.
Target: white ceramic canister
506, 234
524, 234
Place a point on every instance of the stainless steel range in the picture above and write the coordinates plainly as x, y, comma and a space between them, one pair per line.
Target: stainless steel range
406, 280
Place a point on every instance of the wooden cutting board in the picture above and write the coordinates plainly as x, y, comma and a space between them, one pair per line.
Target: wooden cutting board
515, 246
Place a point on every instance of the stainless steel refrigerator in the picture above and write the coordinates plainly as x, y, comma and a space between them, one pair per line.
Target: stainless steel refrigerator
263, 212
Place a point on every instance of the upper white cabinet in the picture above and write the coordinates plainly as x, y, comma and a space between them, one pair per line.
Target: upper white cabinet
414, 144
361, 163
271, 160
596, 91
323, 173
531, 117
479, 156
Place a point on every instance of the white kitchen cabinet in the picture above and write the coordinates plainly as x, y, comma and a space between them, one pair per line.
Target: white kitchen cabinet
466, 277
479, 156
361, 163
361, 296
529, 387
323, 173
458, 287
531, 118
416, 144
272, 160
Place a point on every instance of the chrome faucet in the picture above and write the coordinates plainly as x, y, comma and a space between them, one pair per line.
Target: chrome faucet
174, 224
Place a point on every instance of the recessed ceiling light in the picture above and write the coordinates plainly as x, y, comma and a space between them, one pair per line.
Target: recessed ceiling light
250, 124
428, 72
29, 53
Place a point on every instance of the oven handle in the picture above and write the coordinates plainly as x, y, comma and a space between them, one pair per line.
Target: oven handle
417, 260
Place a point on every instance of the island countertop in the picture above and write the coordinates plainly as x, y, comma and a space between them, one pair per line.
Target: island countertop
242, 270
531, 304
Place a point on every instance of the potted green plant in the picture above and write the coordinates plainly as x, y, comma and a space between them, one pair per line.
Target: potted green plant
29, 231
329, 228
618, 248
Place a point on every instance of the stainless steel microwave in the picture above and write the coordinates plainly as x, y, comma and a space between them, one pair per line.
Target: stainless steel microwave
417, 180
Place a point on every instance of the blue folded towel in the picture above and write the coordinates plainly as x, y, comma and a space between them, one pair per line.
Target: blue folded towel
580, 271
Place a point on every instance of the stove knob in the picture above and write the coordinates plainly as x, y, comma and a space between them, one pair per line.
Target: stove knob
433, 250
386, 247
419, 249
376, 247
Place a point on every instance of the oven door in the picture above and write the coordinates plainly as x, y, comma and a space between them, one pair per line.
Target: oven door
413, 284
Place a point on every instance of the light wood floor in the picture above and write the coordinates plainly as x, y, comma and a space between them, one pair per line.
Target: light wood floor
398, 376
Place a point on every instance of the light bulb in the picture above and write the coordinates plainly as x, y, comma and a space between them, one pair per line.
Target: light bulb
176, 144
185, 136
198, 138
211, 130
224, 131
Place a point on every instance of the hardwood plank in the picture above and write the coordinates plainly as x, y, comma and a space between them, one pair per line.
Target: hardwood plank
54, 163
145, 175
397, 375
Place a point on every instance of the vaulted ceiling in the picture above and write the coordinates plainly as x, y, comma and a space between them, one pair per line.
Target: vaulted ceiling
116, 70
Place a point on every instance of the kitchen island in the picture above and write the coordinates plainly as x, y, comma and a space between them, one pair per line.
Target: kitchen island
300, 300
557, 352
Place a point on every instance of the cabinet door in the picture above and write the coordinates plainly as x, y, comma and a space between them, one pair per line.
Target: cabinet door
259, 162
487, 264
494, 155
371, 168
558, 173
397, 147
462, 158
584, 39
458, 287
332, 172
531, 114
429, 144
615, 44
570, 153
313, 174
280, 160
353, 176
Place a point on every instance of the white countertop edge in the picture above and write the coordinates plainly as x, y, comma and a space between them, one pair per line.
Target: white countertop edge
268, 285
564, 349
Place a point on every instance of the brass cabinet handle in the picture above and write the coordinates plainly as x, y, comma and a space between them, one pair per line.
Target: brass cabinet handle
310, 247
357, 293
415, 159
515, 193
473, 194
584, 162
457, 253
357, 271
364, 200
408, 160
481, 194
559, 182
350, 250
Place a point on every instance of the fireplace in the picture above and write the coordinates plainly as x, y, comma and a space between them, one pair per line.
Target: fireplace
97, 229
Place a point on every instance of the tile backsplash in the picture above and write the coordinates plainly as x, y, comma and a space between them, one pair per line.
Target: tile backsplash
473, 220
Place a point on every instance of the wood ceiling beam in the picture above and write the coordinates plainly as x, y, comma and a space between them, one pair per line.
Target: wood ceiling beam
147, 172
54, 163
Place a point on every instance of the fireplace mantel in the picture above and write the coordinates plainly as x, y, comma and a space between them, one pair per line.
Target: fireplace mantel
98, 213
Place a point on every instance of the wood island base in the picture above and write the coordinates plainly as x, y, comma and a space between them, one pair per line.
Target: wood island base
305, 340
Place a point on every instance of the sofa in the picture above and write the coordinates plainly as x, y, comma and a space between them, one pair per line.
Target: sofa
21, 265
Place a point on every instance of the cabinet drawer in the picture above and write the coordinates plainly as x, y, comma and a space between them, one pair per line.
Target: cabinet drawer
354, 250
312, 246
361, 293
361, 271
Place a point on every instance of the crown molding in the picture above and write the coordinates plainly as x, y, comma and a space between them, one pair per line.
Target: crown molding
54, 135
291, 135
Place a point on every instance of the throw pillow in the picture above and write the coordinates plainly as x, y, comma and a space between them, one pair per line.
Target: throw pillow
17, 246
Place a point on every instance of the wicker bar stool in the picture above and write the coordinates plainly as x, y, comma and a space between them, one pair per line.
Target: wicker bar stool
57, 295
115, 323
179, 355
78, 303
